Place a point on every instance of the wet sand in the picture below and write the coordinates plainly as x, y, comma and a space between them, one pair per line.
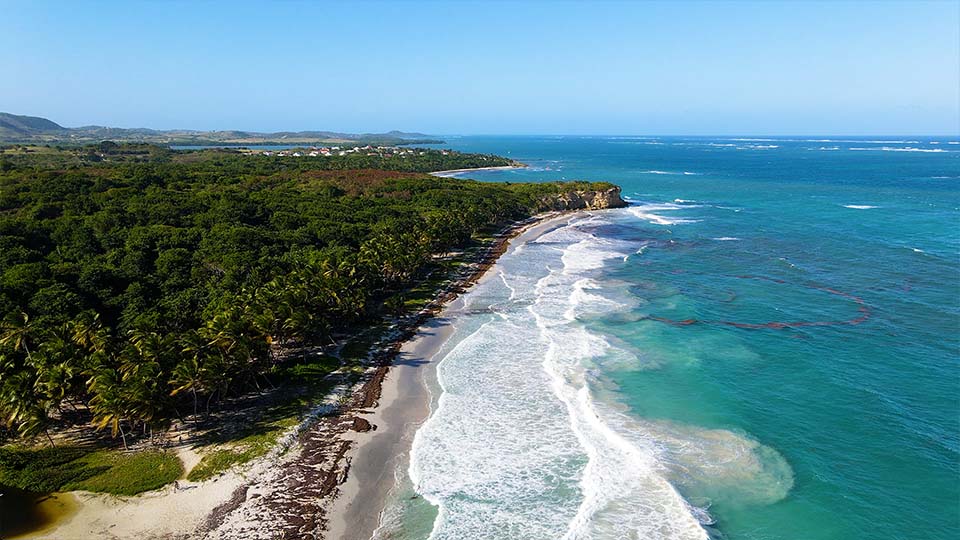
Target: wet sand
378, 456
324, 471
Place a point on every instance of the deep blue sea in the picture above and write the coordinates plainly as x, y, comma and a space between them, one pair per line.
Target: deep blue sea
764, 345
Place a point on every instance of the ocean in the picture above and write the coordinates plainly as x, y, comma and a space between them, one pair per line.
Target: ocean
764, 345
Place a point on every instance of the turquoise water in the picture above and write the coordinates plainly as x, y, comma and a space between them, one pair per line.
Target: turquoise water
763, 346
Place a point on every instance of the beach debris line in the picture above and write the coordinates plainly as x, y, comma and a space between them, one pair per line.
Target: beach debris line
290, 498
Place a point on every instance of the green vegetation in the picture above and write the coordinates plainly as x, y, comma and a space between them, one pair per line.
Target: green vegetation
239, 161
73, 468
18, 126
34, 130
238, 452
217, 461
139, 285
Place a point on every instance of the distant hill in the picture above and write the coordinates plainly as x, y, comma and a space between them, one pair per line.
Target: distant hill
13, 125
32, 129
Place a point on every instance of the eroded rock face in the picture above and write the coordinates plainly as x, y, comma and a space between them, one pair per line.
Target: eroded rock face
585, 200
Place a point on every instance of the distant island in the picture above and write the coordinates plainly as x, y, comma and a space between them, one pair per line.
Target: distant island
36, 130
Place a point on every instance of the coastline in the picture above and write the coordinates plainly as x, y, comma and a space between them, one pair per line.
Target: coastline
330, 470
378, 456
454, 173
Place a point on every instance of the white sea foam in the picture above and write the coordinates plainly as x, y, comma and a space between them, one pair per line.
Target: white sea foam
900, 149
726, 239
575, 231
860, 206
646, 213
496, 442
506, 283
582, 301
519, 447
684, 173
829, 141
654, 143
624, 494
587, 254
886, 142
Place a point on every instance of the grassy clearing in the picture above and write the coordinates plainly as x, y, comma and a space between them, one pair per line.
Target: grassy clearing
128, 474
312, 370
74, 468
239, 451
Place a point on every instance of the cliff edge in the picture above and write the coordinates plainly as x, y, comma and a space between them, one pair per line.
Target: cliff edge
584, 200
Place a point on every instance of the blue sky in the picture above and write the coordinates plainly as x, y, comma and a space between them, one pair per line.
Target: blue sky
498, 68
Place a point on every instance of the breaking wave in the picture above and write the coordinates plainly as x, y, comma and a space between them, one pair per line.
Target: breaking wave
900, 149
519, 446
646, 211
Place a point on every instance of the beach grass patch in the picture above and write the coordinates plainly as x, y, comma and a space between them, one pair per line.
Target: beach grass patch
74, 468
239, 452
312, 370
121, 473
216, 462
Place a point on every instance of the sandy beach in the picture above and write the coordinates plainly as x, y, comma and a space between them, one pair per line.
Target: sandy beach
458, 172
168, 512
332, 472
404, 405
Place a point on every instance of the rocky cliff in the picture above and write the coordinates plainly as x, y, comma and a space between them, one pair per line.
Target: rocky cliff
585, 200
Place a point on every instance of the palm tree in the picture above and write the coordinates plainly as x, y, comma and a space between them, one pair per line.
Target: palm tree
89, 332
58, 366
21, 404
17, 333
109, 405
143, 370
189, 375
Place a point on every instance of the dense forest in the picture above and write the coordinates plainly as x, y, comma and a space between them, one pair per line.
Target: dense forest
140, 284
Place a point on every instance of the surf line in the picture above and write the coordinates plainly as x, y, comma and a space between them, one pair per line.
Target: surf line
862, 307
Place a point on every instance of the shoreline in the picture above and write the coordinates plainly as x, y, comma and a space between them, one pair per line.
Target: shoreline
454, 173
308, 484
379, 456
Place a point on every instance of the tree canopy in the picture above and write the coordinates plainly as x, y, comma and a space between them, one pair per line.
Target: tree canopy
143, 280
